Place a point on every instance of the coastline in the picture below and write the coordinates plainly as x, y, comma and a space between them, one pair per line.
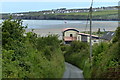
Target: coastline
45, 32
70, 19
57, 28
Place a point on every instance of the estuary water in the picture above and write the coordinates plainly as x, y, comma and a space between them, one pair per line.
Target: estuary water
59, 24
45, 27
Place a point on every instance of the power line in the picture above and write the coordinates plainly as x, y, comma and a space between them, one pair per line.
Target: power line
88, 16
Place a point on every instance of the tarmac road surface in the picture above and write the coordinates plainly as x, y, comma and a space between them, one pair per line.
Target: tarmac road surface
72, 71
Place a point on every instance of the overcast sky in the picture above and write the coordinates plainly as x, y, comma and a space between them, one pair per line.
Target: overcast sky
12, 6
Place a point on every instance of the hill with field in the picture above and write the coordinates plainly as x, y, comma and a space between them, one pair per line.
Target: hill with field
103, 13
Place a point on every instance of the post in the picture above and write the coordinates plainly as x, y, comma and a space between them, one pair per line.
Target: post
99, 35
91, 35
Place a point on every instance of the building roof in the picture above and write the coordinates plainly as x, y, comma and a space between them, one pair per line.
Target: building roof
67, 29
108, 35
83, 34
93, 36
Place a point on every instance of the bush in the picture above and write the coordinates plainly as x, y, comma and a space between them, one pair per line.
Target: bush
87, 69
117, 36
29, 56
106, 57
104, 61
77, 53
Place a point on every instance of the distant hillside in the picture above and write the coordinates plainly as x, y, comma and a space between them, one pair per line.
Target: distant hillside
103, 13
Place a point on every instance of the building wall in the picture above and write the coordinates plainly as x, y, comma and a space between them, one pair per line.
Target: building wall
95, 41
88, 39
79, 37
67, 33
84, 38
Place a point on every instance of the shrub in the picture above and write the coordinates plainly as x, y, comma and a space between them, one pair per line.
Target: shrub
77, 53
29, 56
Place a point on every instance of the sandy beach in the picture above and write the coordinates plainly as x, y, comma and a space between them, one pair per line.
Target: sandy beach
57, 29
45, 32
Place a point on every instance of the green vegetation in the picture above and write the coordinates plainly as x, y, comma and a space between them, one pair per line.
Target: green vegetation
0, 52
104, 12
105, 15
24, 55
105, 58
97, 15
77, 53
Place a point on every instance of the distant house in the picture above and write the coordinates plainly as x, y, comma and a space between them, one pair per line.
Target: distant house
108, 36
69, 35
82, 37
72, 34
86, 38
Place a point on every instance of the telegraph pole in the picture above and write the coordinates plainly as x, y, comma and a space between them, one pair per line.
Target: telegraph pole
91, 33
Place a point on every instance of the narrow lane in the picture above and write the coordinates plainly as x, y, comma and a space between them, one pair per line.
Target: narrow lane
72, 71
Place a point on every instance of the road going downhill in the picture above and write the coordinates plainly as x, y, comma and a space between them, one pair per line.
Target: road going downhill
72, 71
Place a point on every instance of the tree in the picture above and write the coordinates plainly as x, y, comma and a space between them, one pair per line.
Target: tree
117, 35
12, 31
22, 57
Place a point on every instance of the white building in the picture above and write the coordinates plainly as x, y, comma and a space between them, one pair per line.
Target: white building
72, 34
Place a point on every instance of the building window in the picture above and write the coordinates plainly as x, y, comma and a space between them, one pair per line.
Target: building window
84, 38
95, 41
71, 35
